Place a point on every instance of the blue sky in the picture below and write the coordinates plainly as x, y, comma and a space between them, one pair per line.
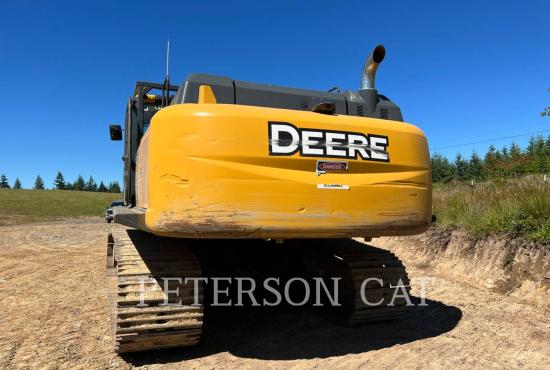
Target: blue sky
462, 71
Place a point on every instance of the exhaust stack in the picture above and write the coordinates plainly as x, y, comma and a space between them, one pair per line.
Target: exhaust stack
371, 65
368, 90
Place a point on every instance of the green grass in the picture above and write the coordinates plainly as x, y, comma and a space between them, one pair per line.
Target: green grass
24, 206
518, 207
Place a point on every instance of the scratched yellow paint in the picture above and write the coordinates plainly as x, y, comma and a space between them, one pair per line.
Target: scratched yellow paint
208, 173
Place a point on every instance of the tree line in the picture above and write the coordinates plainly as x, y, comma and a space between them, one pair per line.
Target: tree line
508, 162
60, 184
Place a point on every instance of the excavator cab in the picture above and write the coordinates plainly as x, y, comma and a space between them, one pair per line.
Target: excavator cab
148, 98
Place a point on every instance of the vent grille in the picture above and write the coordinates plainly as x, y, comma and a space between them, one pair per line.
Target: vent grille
360, 110
383, 113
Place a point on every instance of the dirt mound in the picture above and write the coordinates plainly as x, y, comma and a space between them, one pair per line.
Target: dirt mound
501, 264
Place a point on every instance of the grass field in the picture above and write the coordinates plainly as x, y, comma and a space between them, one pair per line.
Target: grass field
518, 207
22, 206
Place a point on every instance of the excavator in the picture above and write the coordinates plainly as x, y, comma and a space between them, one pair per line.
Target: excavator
216, 164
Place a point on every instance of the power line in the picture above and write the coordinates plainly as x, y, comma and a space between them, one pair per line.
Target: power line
490, 140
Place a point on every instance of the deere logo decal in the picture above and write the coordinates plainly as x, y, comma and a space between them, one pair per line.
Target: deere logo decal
286, 139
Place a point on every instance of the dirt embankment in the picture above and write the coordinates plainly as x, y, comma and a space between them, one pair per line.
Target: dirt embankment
513, 267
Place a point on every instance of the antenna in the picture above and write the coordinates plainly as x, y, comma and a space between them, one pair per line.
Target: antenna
166, 83
168, 58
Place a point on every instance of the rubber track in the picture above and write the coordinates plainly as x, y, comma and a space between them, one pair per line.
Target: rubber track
141, 261
355, 262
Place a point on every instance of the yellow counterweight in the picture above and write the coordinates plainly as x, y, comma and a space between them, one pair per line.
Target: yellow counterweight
212, 170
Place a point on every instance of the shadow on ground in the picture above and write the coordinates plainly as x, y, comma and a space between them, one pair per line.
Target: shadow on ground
284, 334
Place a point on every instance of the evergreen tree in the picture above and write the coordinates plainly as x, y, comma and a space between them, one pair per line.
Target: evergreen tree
490, 162
511, 161
17, 183
500, 164
4, 182
442, 170
475, 169
38, 183
91, 185
59, 182
498, 156
541, 156
504, 163
515, 152
461, 168
505, 154
531, 146
102, 188
114, 187
79, 184
517, 160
